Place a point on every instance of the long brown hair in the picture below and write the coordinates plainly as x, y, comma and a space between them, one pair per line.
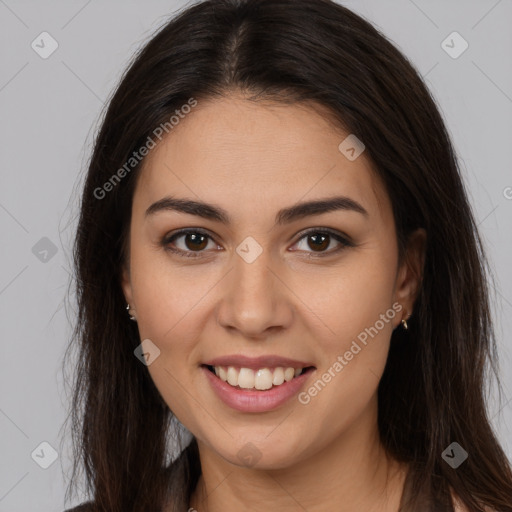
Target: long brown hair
433, 389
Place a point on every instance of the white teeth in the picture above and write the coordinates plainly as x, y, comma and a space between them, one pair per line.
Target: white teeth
264, 378
232, 376
246, 378
278, 377
289, 373
223, 374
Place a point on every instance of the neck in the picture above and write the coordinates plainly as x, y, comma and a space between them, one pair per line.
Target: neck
350, 474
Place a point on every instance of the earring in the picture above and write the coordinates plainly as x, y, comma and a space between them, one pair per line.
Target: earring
128, 309
404, 322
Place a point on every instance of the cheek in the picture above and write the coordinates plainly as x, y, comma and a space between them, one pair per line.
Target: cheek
170, 310
352, 297
357, 359
357, 313
168, 295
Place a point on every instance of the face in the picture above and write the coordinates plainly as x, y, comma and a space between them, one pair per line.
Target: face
261, 283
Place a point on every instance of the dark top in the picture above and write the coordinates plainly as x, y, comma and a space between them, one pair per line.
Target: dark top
84, 507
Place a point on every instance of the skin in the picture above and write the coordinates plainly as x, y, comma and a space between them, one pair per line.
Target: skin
252, 159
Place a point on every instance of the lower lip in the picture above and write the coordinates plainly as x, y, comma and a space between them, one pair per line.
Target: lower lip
256, 401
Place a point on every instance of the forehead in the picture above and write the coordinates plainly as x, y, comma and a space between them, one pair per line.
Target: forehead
246, 155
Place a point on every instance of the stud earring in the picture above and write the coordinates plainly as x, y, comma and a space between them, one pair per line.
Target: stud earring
128, 309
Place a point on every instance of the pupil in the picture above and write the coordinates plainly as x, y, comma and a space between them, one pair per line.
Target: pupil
322, 245
195, 240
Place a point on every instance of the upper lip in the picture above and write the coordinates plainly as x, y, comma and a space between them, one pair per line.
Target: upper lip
269, 361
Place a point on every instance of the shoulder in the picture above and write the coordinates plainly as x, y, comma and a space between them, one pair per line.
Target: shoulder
84, 507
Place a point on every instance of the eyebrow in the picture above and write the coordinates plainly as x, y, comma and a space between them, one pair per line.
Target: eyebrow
284, 216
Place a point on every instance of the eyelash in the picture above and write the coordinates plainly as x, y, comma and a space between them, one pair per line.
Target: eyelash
343, 240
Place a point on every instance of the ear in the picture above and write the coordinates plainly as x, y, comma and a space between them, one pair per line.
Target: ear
126, 284
410, 273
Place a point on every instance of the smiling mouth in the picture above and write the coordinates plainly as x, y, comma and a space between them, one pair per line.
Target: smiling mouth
261, 379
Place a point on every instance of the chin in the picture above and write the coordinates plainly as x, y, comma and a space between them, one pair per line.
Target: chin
261, 453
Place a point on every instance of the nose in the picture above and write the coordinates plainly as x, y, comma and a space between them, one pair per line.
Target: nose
255, 300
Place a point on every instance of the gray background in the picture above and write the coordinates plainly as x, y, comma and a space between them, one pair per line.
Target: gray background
50, 109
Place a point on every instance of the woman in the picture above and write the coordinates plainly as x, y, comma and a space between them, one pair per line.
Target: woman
276, 249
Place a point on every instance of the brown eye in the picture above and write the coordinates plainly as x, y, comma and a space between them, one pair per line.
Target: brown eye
318, 240
193, 241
